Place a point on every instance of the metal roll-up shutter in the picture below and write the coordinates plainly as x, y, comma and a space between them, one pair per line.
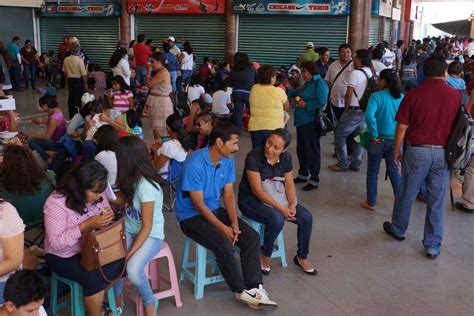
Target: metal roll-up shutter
206, 33
280, 39
386, 34
98, 36
374, 31
15, 21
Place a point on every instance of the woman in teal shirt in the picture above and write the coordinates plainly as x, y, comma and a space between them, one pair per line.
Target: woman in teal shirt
380, 118
137, 180
312, 97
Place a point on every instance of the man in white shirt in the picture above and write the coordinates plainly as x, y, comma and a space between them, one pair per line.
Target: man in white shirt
221, 101
353, 119
470, 48
173, 48
337, 76
388, 57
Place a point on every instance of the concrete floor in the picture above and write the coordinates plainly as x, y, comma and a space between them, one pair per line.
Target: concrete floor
362, 271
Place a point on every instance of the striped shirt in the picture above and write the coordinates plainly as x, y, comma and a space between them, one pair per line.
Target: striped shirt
120, 100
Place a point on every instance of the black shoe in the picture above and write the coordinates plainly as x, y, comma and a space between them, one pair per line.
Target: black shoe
311, 272
309, 187
355, 169
460, 206
299, 180
387, 227
431, 256
265, 272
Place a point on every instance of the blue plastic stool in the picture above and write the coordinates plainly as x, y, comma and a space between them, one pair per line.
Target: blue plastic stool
199, 278
76, 301
278, 248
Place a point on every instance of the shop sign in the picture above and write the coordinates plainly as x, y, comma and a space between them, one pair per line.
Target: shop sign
109, 10
176, 7
396, 14
307, 7
382, 8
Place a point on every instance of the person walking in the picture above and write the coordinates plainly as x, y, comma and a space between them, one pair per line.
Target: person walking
15, 71
141, 54
424, 121
29, 58
75, 72
380, 120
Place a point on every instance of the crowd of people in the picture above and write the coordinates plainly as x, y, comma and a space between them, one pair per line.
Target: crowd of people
403, 103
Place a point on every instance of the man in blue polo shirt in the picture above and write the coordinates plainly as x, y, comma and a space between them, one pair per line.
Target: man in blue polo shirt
209, 174
15, 71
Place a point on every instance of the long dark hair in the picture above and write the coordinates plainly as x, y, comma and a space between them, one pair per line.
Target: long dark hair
20, 173
133, 163
119, 53
160, 56
241, 61
90, 175
187, 47
106, 138
123, 85
175, 123
393, 82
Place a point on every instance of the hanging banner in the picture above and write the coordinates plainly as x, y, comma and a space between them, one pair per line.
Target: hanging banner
382, 8
176, 7
86, 10
306, 7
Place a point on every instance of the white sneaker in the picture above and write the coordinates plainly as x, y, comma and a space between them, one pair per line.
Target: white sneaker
256, 298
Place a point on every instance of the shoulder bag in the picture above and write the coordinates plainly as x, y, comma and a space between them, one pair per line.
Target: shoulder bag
102, 246
276, 189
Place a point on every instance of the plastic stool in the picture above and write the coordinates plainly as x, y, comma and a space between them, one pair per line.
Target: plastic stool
199, 278
76, 301
152, 270
278, 248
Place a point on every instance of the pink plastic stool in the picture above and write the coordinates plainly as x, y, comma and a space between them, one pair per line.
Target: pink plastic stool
153, 272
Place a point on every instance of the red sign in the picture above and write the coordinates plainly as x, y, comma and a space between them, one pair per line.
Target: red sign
176, 7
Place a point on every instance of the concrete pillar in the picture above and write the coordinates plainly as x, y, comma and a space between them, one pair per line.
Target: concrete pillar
402, 29
230, 32
356, 24
382, 28
472, 26
410, 32
124, 22
367, 12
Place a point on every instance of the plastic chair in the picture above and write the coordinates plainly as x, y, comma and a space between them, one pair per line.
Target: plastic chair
278, 248
76, 301
173, 173
199, 278
153, 272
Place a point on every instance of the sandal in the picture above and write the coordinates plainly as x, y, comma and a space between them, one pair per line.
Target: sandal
312, 271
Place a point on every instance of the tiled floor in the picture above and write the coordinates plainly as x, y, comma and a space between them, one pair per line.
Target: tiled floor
361, 270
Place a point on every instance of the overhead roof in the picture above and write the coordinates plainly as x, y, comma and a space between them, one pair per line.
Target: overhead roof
460, 28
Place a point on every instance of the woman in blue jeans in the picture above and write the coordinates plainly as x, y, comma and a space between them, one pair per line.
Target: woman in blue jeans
380, 118
267, 195
137, 181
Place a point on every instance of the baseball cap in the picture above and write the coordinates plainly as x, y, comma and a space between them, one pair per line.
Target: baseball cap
310, 45
171, 38
86, 98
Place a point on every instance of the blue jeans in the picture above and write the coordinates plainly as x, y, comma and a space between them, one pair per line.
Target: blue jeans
273, 220
141, 72
174, 76
184, 79
239, 98
136, 267
2, 289
259, 137
351, 122
41, 146
30, 74
420, 164
89, 149
377, 152
15, 74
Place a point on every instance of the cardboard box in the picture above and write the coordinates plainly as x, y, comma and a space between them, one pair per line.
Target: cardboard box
7, 104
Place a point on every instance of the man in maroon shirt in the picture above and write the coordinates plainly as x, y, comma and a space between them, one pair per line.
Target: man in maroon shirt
425, 120
142, 53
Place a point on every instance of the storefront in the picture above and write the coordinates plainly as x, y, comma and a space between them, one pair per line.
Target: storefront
201, 23
96, 25
10, 26
381, 22
276, 32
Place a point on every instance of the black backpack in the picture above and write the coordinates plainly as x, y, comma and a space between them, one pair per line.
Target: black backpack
371, 87
459, 148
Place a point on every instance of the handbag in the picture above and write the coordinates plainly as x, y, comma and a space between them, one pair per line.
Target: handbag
276, 189
100, 247
325, 122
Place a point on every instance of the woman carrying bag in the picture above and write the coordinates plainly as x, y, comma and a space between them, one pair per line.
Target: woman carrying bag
77, 206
